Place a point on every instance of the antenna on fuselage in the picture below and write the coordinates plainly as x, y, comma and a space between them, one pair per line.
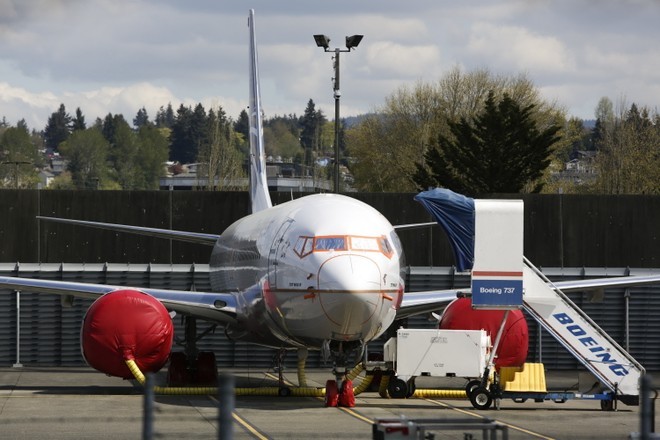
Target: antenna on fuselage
259, 195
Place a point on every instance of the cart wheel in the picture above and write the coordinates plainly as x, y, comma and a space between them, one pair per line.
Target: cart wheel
411, 387
607, 405
480, 398
398, 388
471, 385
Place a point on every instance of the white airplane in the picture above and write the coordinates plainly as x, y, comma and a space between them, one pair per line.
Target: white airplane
323, 272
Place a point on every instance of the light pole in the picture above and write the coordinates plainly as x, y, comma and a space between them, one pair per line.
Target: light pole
351, 43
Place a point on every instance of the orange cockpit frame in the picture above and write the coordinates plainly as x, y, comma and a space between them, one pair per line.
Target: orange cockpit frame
306, 245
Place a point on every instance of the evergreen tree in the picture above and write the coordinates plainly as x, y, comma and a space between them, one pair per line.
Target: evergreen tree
180, 136
311, 125
165, 117
57, 128
501, 150
141, 118
242, 124
78, 123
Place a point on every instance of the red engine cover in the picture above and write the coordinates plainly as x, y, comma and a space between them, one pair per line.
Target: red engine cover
512, 351
126, 324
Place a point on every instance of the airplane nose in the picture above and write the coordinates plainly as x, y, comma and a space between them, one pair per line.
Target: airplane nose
350, 289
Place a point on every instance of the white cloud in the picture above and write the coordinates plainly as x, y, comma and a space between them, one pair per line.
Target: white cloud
518, 48
387, 59
119, 55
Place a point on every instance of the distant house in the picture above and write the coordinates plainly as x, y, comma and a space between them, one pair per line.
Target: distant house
580, 169
282, 175
582, 162
45, 178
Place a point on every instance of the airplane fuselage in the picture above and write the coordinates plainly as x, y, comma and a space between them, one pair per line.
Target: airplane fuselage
314, 270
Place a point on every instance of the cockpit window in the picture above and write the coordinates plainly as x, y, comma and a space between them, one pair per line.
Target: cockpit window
364, 243
306, 245
329, 244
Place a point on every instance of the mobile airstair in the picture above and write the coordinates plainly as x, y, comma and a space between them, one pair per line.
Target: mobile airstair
487, 239
612, 365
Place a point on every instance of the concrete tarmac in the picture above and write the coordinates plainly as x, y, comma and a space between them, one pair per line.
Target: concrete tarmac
80, 403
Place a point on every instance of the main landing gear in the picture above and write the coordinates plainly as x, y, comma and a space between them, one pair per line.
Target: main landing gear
191, 366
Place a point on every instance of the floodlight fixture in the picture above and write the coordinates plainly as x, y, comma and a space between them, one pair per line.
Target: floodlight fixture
322, 41
353, 41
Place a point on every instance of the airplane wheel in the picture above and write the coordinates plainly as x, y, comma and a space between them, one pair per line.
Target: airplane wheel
398, 388
471, 385
207, 369
480, 398
177, 372
284, 392
331, 393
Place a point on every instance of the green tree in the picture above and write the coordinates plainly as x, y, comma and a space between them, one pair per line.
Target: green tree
220, 161
141, 118
151, 156
124, 149
311, 126
18, 158
242, 124
189, 133
386, 147
281, 139
501, 150
628, 159
78, 122
165, 117
57, 128
87, 152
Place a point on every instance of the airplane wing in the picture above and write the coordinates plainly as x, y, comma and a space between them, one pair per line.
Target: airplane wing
191, 237
415, 303
216, 307
602, 283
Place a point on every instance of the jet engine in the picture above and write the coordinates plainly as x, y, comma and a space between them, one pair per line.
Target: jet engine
126, 324
512, 351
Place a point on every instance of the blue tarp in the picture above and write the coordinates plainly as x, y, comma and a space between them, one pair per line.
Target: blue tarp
455, 213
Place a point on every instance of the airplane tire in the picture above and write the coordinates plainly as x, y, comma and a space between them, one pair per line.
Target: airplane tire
480, 398
207, 369
177, 372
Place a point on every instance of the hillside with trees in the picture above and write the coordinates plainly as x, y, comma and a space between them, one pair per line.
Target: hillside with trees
472, 132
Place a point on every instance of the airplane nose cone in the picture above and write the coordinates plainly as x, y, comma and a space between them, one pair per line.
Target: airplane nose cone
350, 290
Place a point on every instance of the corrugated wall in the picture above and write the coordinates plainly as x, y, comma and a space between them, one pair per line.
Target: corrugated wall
50, 332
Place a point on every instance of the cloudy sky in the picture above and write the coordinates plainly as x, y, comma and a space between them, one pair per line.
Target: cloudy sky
120, 55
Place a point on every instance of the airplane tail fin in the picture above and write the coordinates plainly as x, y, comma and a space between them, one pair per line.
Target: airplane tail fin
259, 196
